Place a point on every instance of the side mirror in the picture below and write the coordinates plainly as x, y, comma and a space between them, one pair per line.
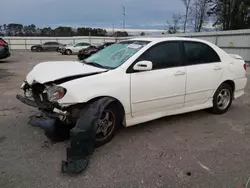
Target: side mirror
143, 66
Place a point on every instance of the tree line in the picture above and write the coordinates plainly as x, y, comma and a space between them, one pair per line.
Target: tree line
224, 15
15, 29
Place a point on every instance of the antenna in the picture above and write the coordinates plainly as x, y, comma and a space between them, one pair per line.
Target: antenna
124, 14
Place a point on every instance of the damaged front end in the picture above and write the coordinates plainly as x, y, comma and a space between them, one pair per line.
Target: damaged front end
52, 118
81, 122
44, 98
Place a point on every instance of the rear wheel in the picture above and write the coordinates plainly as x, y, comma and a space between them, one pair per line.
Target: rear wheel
222, 99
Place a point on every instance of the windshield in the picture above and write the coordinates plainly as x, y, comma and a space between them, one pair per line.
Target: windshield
116, 54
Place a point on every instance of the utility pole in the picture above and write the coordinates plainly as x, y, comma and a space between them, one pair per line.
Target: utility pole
124, 14
113, 30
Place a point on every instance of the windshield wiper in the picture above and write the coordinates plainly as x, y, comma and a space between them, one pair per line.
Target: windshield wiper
94, 64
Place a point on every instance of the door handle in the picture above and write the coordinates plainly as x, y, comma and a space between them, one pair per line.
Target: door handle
217, 68
179, 73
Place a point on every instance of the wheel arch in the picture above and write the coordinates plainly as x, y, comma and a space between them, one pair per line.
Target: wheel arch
118, 102
67, 49
230, 83
90, 101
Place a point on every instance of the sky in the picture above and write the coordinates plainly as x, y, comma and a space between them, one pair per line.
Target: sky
140, 14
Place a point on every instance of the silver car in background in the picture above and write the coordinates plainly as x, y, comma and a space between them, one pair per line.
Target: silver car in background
73, 49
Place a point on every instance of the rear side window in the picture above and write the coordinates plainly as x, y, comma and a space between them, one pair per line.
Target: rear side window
82, 44
163, 55
199, 53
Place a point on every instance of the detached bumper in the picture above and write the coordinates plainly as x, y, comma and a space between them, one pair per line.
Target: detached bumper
47, 109
32, 103
26, 101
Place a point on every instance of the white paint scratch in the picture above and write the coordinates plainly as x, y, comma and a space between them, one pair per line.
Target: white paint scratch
203, 166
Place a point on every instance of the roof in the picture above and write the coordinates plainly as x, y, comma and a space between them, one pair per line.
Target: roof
161, 39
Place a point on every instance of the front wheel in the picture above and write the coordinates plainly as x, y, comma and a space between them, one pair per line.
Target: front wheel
68, 52
222, 99
39, 49
108, 122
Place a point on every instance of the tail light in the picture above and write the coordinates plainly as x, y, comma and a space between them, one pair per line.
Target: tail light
245, 66
2, 43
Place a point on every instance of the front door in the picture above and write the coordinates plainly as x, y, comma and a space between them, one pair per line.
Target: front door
204, 72
162, 88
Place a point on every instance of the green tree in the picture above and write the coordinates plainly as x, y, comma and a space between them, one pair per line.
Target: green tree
47, 31
121, 34
230, 14
14, 29
63, 32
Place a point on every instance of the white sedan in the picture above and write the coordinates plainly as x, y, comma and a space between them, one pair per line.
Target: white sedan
74, 49
135, 81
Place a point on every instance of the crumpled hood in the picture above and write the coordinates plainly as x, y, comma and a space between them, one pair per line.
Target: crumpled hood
55, 70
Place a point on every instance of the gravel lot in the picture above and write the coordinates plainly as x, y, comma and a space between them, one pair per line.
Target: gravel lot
191, 150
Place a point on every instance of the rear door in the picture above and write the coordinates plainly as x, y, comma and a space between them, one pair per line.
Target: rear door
204, 72
54, 46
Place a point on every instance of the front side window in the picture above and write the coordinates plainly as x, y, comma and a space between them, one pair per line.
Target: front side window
163, 55
54, 43
115, 55
199, 53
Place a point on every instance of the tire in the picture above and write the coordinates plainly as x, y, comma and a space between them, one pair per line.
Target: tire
68, 52
39, 49
222, 99
113, 109
82, 57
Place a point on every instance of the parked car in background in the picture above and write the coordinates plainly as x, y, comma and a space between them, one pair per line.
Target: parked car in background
74, 49
136, 81
84, 53
4, 49
47, 46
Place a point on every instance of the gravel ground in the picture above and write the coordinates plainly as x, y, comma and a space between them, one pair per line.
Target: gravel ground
191, 150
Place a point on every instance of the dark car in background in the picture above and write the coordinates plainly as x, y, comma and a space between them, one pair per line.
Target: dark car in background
4, 49
84, 53
47, 46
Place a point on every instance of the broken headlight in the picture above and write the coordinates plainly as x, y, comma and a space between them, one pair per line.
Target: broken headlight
55, 93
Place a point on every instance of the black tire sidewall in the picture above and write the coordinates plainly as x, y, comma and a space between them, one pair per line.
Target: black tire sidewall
114, 109
68, 52
215, 109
